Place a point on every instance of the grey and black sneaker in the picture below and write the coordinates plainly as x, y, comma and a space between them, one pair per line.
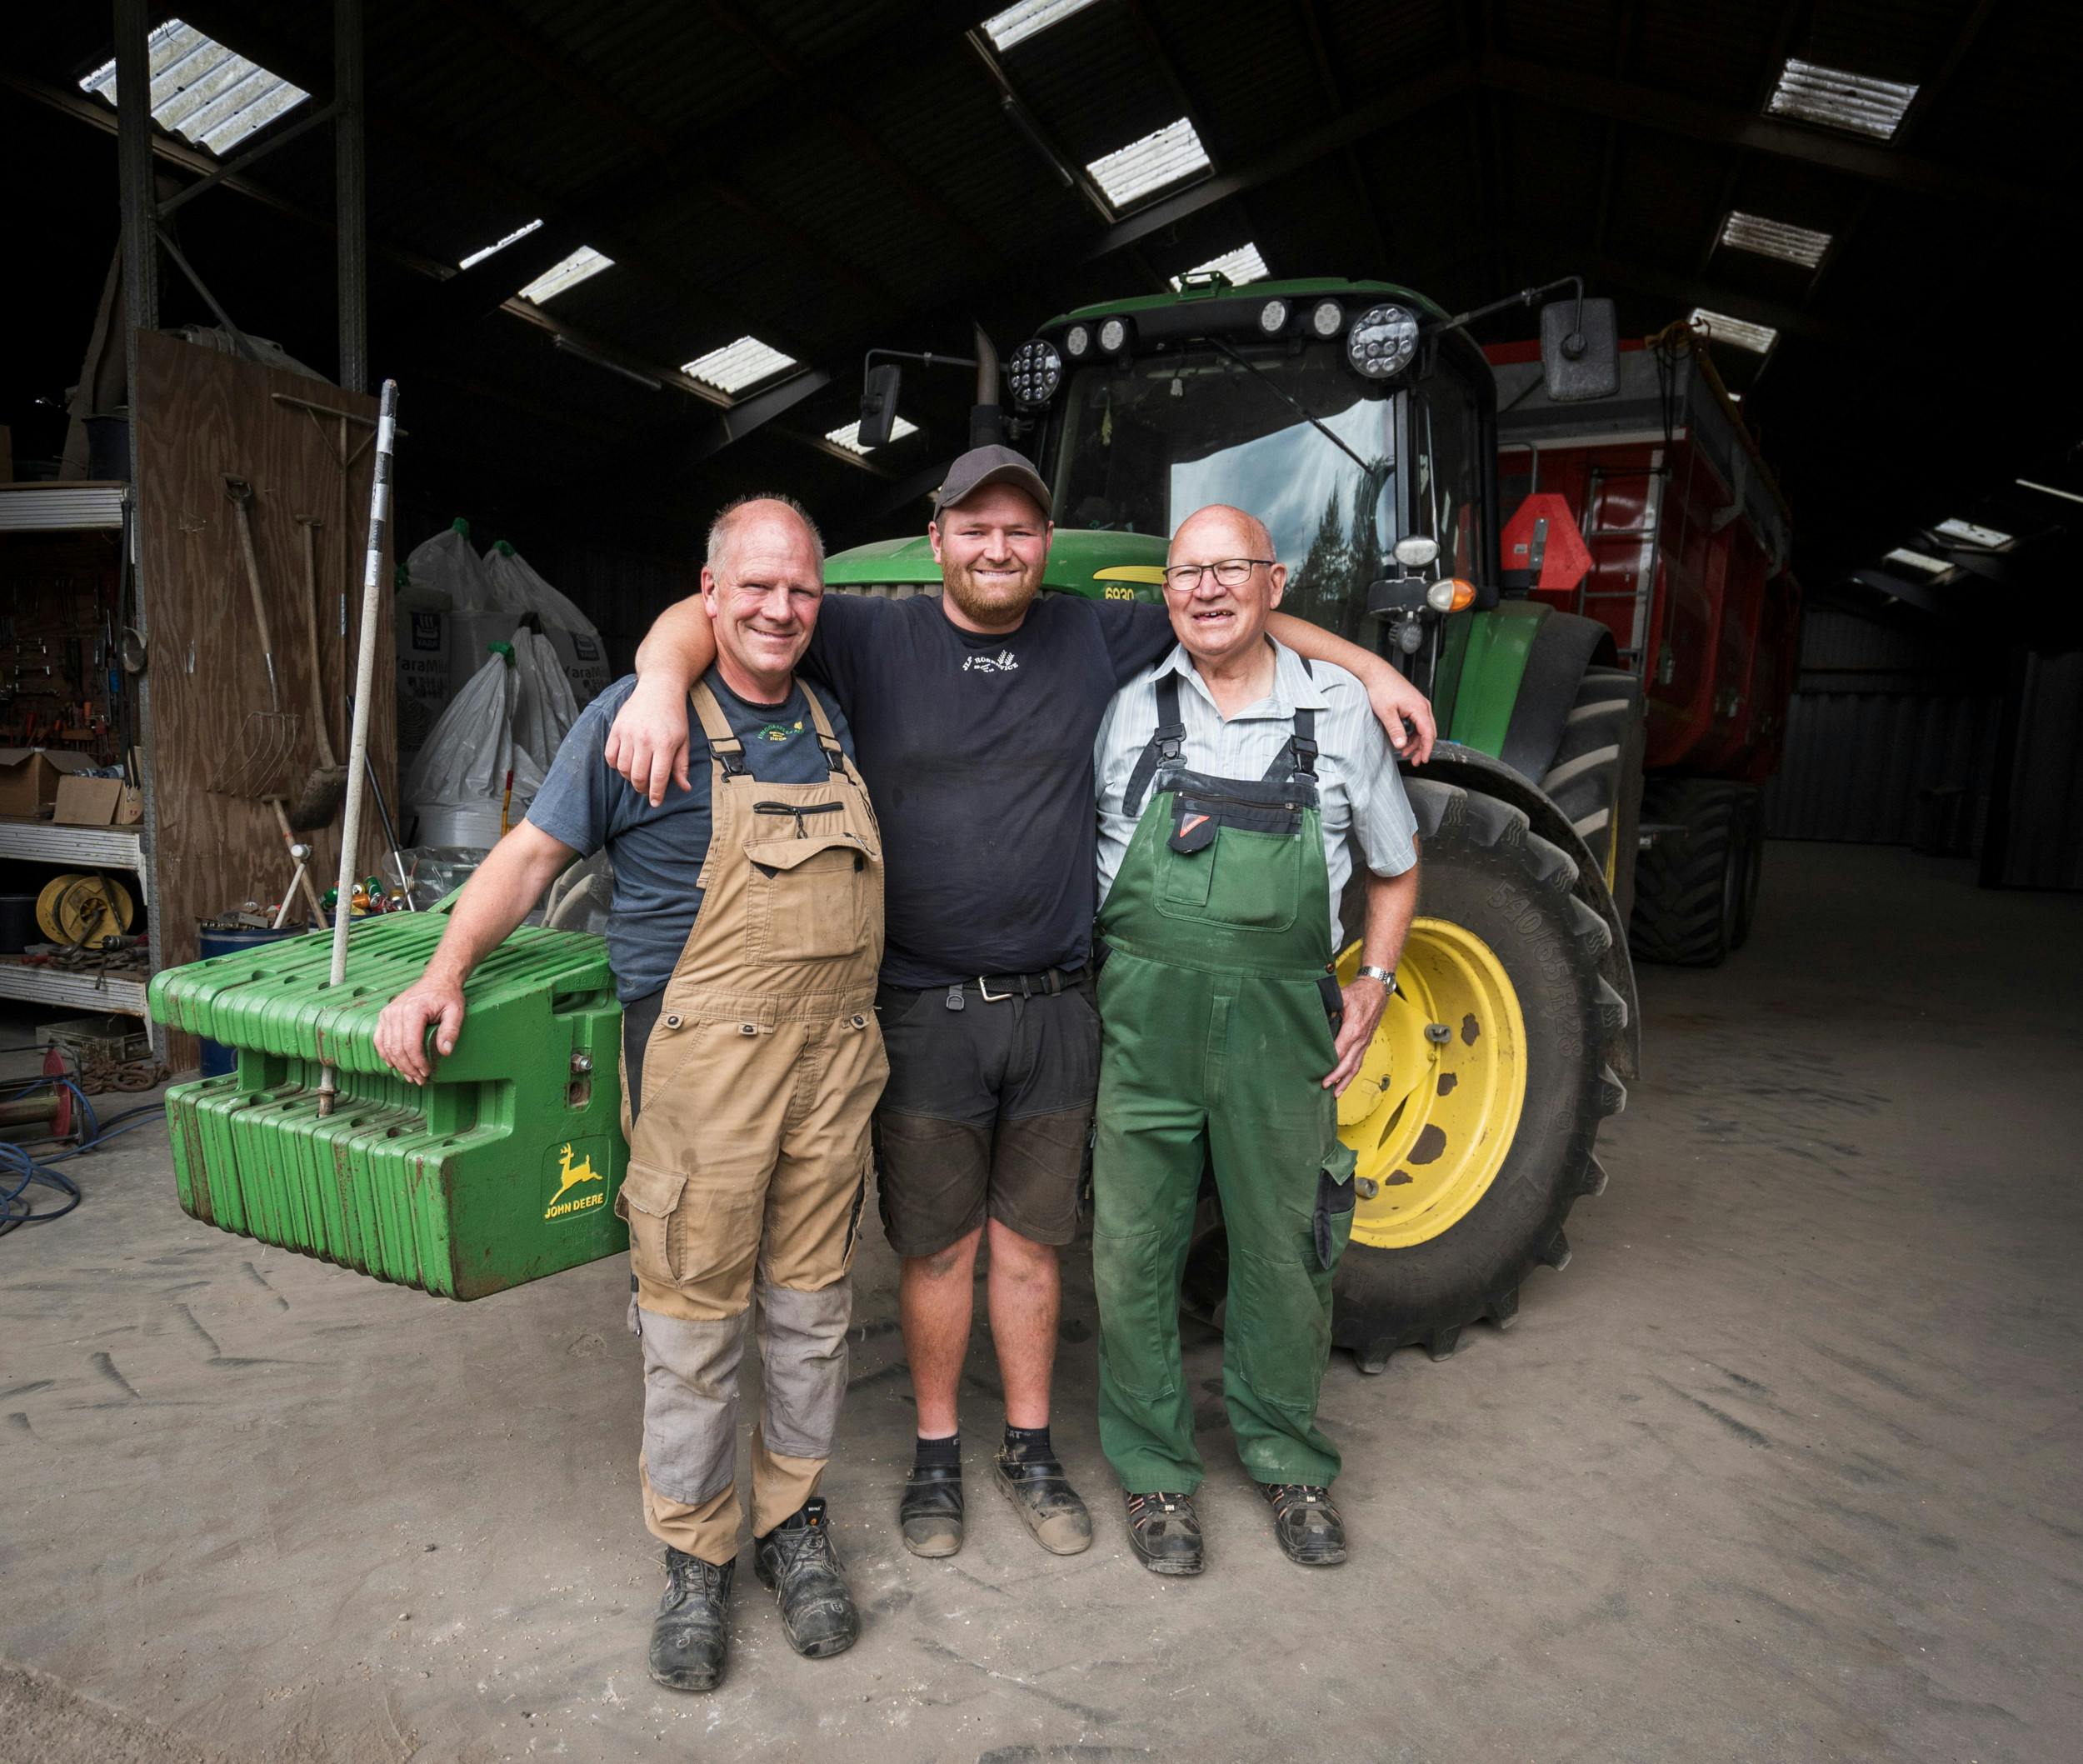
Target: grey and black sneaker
797, 1561
1165, 1532
1306, 1523
691, 1636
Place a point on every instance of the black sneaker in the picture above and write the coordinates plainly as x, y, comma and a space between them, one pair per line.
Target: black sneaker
1165, 1532
931, 1511
690, 1635
1307, 1524
797, 1561
1044, 1501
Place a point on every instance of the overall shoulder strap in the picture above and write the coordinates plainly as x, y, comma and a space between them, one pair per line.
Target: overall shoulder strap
1167, 742
834, 754
724, 747
1298, 756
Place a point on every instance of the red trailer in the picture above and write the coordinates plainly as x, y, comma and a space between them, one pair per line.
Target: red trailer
1653, 512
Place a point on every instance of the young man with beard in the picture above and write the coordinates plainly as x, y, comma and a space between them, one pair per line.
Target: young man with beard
975, 713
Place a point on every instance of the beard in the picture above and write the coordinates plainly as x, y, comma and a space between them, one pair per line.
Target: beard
989, 602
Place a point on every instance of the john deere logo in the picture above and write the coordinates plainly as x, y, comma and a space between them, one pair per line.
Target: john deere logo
570, 1175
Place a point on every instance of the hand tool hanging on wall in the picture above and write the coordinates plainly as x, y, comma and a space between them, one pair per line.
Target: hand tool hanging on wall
364, 675
268, 739
328, 782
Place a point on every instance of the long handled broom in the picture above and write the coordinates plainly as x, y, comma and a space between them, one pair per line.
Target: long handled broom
364, 678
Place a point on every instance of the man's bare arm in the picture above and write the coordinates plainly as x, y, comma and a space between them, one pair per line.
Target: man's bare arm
495, 900
1394, 698
649, 742
1391, 904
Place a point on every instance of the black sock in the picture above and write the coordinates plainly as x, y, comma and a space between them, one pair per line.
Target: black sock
1027, 1444
938, 1454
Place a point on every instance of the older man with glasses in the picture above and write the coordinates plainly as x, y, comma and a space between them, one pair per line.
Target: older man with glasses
1232, 778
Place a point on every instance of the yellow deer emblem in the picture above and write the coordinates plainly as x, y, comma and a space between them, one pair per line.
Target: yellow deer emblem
571, 1175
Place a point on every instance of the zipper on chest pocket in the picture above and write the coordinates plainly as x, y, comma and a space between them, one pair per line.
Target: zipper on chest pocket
797, 811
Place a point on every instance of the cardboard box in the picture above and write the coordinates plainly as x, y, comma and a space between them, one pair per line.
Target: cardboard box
29, 778
97, 802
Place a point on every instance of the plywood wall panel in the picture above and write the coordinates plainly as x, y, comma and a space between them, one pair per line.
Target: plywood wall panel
202, 416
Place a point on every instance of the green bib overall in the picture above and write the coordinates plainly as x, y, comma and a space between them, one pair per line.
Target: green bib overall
1215, 1042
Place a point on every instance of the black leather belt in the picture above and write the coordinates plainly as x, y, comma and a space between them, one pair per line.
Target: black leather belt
996, 988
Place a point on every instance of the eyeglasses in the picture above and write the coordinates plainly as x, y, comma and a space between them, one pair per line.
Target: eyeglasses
1232, 573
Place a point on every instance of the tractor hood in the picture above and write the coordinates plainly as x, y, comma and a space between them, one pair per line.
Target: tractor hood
1101, 565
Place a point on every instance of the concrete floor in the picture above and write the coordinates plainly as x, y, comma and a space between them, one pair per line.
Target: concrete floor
1783, 1466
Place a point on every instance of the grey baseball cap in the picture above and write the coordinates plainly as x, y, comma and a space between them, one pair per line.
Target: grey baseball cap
991, 465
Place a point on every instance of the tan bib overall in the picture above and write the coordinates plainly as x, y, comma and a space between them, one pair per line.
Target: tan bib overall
749, 1162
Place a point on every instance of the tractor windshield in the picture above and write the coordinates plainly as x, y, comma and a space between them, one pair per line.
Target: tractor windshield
1141, 446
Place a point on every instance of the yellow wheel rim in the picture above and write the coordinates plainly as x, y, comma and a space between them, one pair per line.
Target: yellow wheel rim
1436, 1104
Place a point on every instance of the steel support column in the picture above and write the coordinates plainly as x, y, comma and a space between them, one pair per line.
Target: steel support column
350, 195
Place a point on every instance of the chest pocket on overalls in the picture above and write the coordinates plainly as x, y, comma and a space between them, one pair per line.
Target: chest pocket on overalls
1212, 870
809, 894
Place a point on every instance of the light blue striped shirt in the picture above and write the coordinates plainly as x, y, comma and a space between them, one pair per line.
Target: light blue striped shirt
1359, 789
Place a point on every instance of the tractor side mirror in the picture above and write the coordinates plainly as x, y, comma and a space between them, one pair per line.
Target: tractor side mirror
1580, 350
878, 403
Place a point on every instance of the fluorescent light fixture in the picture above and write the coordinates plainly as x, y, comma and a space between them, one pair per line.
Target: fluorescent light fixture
1830, 96
201, 91
1778, 239
1029, 18
1168, 157
1918, 561
1968, 534
1241, 266
2066, 496
1739, 332
737, 365
561, 278
518, 233
849, 436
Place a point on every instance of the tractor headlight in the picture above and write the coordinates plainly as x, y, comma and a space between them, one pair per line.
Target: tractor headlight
1035, 373
1272, 316
1077, 341
1381, 342
1414, 551
1113, 336
1326, 318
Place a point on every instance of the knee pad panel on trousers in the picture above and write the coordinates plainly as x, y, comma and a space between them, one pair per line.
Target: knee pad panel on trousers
1135, 1276
1276, 1330
802, 1339
691, 1404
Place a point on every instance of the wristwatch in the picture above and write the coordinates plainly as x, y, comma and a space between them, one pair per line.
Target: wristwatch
1386, 976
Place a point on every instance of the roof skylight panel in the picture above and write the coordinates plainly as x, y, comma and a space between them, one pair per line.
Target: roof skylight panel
1029, 18
480, 255
1168, 157
1917, 561
560, 278
1968, 534
1741, 332
736, 366
849, 435
1779, 239
203, 91
1836, 99
1241, 266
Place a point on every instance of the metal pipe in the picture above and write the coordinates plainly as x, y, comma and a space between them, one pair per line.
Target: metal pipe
351, 195
210, 300
986, 427
231, 167
364, 678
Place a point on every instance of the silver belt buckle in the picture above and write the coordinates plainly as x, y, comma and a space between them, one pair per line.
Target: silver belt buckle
990, 997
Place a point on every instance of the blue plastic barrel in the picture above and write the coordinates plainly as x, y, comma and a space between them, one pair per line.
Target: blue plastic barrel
217, 1059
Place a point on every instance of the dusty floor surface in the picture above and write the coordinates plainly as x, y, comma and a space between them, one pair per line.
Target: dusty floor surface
1785, 1466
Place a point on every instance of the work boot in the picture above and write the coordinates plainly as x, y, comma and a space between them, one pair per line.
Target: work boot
931, 1510
692, 1633
1165, 1532
1044, 1501
1307, 1524
797, 1561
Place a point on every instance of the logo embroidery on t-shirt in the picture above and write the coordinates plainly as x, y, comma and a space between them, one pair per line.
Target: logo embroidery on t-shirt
1004, 662
780, 731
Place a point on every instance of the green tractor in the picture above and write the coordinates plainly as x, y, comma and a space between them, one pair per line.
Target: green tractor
1359, 420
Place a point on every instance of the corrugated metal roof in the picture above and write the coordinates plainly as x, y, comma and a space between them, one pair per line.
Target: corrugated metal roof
1028, 18
1856, 103
203, 91
737, 366
847, 435
1165, 157
567, 273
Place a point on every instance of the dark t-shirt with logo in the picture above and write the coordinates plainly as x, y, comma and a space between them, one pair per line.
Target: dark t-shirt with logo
978, 751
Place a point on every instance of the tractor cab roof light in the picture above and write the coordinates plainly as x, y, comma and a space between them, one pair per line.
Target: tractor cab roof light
1856, 103
1168, 156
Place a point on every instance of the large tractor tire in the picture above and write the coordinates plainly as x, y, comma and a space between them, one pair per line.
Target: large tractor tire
1476, 1113
1695, 887
1596, 776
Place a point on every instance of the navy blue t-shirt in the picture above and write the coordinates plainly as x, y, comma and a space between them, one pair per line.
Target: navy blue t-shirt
977, 754
658, 853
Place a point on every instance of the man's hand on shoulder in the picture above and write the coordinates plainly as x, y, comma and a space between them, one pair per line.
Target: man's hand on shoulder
648, 743
1395, 702
400, 1031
